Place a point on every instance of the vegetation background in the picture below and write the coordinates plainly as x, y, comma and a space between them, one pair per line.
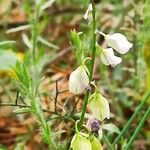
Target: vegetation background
123, 85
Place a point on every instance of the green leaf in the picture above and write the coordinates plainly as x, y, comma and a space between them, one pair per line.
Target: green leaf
22, 74
20, 28
47, 4
7, 59
2, 147
43, 41
20, 146
79, 142
6, 44
22, 110
26, 41
96, 145
79, 45
111, 127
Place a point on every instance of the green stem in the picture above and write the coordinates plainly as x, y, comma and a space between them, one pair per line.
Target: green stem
35, 101
136, 132
83, 110
38, 112
94, 41
107, 142
91, 66
140, 106
34, 33
148, 78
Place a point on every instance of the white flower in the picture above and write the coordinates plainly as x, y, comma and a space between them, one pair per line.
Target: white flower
108, 57
88, 14
118, 42
99, 106
80, 142
78, 80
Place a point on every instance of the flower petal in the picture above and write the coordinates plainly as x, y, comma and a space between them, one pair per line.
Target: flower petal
99, 106
80, 142
88, 14
78, 80
96, 145
118, 42
108, 57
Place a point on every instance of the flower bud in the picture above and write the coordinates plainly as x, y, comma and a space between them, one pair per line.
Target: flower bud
78, 80
88, 14
93, 124
99, 106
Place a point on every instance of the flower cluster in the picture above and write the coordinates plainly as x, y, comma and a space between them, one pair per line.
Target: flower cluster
116, 41
79, 81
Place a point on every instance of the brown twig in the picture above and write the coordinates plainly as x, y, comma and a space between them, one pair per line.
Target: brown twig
56, 96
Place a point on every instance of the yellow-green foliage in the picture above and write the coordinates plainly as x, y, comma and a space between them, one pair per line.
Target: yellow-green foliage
146, 40
146, 33
147, 53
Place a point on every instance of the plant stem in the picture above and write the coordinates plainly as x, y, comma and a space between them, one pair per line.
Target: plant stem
38, 112
148, 81
83, 110
94, 41
148, 78
107, 142
34, 33
140, 106
91, 67
136, 132
35, 100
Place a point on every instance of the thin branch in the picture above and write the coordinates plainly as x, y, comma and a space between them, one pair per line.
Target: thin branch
44, 110
22, 105
56, 96
17, 96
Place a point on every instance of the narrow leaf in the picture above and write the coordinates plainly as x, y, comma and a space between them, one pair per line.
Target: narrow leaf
26, 41
47, 4
20, 28
22, 110
42, 40
111, 127
6, 43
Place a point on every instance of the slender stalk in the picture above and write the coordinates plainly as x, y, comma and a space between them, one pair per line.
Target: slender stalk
91, 67
140, 106
148, 81
35, 100
38, 112
148, 78
94, 41
34, 33
136, 132
83, 110
108, 143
